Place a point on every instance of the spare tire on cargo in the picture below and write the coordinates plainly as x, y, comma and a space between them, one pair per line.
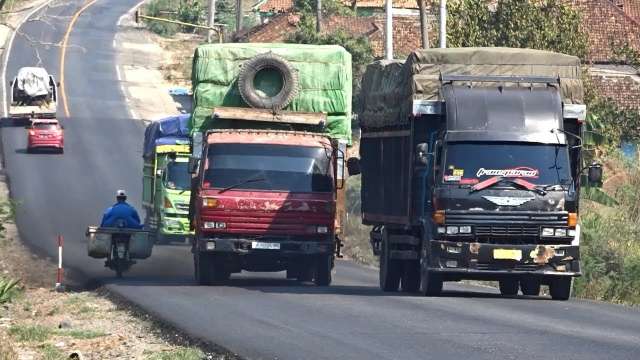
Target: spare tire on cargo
268, 81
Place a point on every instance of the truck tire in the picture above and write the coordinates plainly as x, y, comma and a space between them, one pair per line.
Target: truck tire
430, 283
410, 281
218, 272
202, 263
508, 287
390, 269
530, 287
560, 287
322, 275
250, 70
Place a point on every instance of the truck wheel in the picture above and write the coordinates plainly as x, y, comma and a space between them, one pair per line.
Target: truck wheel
278, 66
323, 270
218, 272
411, 276
509, 287
202, 265
390, 270
530, 287
560, 288
430, 283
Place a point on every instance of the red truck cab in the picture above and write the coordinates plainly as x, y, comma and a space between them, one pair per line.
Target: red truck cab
45, 134
265, 201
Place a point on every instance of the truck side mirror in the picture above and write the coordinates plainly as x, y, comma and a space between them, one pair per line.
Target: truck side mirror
353, 165
594, 174
193, 165
422, 154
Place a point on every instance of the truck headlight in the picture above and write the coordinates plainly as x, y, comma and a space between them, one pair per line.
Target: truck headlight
172, 222
452, 230
571, 232
214, 225
322, 229
465, 229
547, 231
561, 232
441, 229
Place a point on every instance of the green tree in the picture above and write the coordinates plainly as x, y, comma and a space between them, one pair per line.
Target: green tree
545, 25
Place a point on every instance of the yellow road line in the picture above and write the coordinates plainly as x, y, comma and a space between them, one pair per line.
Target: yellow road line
63, 52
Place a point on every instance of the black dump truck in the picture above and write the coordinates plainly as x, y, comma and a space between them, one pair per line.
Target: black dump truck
471, 163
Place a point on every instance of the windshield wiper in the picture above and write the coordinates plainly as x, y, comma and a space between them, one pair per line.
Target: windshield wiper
246, 181
517, 181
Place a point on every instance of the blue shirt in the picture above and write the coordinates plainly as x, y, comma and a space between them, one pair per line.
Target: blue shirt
121, 211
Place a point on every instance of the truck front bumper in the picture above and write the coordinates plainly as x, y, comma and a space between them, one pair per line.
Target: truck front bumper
175, 225
282, 248
491, 261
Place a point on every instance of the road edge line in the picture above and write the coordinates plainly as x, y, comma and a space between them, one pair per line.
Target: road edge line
7, 48
129, 12
63, 53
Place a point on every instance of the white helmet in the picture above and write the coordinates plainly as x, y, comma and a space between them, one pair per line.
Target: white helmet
121, 194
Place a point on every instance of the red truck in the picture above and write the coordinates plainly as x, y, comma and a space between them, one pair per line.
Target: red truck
267, 200
269, 129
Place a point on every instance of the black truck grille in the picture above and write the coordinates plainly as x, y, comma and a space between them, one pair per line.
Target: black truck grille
506, 227
507, 230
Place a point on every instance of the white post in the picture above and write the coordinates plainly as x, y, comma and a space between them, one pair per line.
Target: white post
388, 33
59, 276
443, 23
212, 16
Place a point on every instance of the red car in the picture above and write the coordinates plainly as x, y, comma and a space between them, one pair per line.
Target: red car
45, 134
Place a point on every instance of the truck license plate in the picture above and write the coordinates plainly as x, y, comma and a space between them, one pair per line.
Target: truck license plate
265, 246
507, 254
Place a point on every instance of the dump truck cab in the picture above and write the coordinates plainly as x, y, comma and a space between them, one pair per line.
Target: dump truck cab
266, 200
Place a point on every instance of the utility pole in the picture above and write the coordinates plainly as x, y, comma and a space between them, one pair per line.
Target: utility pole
238, 15
443, 24
388, 33
424, 30
318, 16
212, 16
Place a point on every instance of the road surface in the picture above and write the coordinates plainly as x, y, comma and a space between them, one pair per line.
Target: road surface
257, 316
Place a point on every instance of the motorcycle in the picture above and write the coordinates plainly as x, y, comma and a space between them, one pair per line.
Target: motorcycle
119, 245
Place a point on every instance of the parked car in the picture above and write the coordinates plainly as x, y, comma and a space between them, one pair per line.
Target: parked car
45, 134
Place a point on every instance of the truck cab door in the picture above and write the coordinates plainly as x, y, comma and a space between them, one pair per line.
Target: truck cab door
148, 175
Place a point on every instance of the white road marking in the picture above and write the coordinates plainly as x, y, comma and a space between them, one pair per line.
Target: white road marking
119, 23
130, 12
5, 110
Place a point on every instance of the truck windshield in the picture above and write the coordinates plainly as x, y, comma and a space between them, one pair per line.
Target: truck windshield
541, 164
177, 176
273, 167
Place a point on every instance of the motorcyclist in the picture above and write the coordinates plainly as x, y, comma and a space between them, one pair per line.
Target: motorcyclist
121, 214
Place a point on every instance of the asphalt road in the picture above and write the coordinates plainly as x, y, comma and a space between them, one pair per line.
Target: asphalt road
257, 316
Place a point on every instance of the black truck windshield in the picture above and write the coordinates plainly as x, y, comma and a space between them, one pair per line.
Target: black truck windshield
541, 164
177, 176
269, 167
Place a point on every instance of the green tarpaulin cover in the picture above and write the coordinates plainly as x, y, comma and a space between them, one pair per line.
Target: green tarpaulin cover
324, 77
390, 87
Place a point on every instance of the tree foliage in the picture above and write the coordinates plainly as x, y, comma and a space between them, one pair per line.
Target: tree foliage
544, 25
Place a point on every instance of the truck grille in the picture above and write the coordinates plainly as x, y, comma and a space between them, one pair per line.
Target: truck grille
507, 230
181, 206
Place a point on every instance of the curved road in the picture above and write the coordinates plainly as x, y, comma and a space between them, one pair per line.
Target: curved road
263, 316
